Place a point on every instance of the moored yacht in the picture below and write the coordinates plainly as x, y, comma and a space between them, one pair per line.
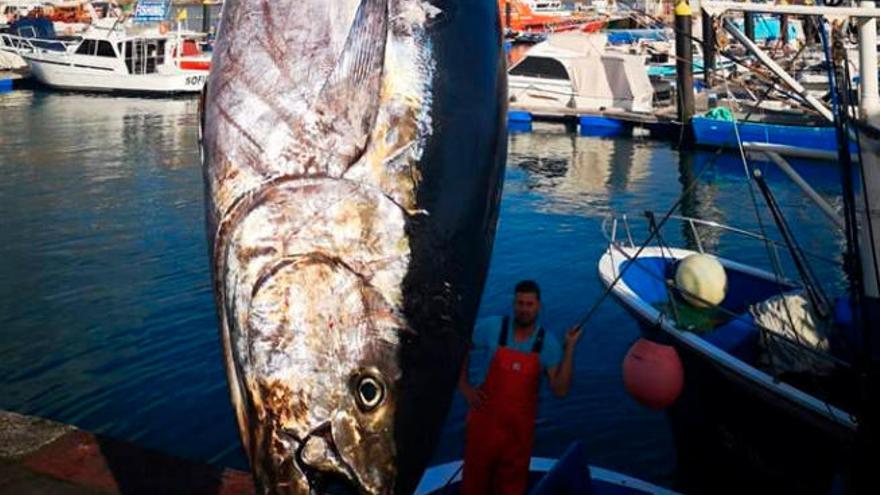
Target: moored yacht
114, 60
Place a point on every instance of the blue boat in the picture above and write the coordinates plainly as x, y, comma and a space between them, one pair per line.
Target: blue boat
570, 474
767, 419
721, 133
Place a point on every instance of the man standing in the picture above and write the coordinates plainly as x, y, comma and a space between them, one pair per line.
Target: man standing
501, 420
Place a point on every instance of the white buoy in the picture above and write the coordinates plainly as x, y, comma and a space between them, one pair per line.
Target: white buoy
701, 275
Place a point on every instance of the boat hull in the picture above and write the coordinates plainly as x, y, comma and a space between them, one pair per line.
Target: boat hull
62, 75
721, 133
725, 428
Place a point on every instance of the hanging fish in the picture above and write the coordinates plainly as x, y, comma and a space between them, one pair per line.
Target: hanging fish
353, 156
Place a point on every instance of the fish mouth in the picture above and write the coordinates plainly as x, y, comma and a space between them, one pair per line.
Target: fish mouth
333, 478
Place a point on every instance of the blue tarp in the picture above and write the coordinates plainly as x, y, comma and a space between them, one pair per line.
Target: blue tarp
627, 36
768, 28
41, 30
28, 27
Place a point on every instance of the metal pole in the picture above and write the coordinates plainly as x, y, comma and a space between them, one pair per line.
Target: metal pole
870, 97
684, 65
708, 48
507, 12
779, 71
811, 193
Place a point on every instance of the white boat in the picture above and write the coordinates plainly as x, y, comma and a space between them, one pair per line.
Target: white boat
789, 423
121, 61
569, 474
572, 72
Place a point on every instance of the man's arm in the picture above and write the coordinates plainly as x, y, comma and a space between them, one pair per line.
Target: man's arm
560, 375
473, 395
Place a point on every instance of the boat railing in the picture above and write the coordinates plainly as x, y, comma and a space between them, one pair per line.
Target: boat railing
21, 45
533, 87
614, 222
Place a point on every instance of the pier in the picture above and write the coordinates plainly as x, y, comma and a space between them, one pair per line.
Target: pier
42, 457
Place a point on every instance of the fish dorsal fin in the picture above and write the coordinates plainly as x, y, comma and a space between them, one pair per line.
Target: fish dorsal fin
348, 102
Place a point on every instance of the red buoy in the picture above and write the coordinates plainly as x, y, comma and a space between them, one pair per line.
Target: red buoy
653, 374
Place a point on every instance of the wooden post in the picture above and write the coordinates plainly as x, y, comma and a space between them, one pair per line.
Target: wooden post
206, 16
708, 48
749, 28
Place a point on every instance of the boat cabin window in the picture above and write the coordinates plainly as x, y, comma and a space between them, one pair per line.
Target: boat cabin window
543, 67
105, 49
27, 32
87, 47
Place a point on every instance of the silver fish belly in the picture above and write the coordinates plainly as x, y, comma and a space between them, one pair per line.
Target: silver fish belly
346, 279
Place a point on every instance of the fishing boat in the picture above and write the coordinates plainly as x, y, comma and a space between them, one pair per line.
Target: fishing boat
782, 420
777, 376
569, 474
541, 16
121, 60
715, 133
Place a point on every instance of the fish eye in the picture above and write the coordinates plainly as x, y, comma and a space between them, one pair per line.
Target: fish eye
369, 392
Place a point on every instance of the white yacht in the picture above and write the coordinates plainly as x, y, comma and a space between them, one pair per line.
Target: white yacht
117, 60
573, 72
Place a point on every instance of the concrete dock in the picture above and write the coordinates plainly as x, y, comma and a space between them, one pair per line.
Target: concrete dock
43, 457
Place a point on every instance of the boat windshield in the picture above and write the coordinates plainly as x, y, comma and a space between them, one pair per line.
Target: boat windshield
542, 67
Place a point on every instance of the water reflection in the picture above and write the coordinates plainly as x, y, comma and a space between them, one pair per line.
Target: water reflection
579, 174
108, 131
698, 200
107, 316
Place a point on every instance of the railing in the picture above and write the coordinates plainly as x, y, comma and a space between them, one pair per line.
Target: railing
613, 221
22, 46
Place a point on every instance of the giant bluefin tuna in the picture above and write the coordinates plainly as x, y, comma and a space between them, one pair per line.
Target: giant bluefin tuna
353, 151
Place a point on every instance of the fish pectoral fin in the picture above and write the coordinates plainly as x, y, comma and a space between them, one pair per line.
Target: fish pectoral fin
349, 100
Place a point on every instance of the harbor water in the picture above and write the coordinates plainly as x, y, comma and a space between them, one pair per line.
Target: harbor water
106, 313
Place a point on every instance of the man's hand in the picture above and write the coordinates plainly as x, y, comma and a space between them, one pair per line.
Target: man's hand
474, 395
572, 336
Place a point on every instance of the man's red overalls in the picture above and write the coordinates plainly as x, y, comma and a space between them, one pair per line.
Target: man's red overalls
499, 434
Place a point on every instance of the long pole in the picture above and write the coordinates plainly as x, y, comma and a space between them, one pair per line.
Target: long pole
684, 66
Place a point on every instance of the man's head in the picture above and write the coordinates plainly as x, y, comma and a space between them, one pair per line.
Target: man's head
526, 303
